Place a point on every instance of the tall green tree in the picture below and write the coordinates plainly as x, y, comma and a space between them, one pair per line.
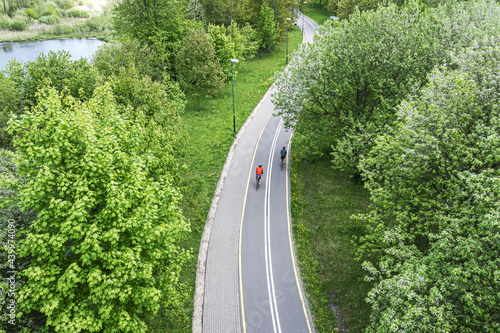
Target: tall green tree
245, 41
160, 24
226, 12
224, 47
113, 56
198, 69
434, 223
104, 247
267, 28
196, 11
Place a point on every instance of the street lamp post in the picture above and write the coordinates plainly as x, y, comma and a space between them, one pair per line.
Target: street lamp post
233, 61
287, 19
303, 15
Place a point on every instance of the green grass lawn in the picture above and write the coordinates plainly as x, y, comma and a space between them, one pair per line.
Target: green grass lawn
318, 14
210, 135
322, 202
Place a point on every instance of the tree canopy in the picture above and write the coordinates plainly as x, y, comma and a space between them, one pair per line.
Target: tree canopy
267, 28
347, 85
198, 69
101, 178
160, 24
435, 192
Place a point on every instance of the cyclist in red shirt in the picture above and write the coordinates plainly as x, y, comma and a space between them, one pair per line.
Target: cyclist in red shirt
259, 173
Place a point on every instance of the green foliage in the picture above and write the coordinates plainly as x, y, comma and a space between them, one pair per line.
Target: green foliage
49, 19
250, 42
14, 225
63, 29
435, 188
161, 24
76, 12
5, 21
48, 10
32, 13
267, 28
61, 13
244, 40
78, 76
98, 24
108, 223
156, 107
22, 81
10, 103
65, 4
196, 11
20, 15
110, 57
225, 12
198, 70
283, 9
318, 13
224, 47
18, 25
349, 96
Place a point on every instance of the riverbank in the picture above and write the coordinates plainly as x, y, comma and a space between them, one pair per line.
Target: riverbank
89, 19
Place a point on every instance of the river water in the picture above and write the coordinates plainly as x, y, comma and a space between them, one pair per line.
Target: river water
29, 51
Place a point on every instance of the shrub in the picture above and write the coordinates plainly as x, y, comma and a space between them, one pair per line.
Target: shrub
32, 13
61, 12
110, 57
99, 24
76, 12
5, 21
50, 19
62, 29
65, 4
21, 15
18, 25
49, 10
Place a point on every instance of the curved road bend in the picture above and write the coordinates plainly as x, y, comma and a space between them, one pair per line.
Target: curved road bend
251, 280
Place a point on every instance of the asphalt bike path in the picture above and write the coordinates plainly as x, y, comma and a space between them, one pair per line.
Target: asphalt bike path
247, 279
270, 289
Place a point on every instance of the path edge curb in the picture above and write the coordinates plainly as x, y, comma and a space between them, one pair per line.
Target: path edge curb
199, 293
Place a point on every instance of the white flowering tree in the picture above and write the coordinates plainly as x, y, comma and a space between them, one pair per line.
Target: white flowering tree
434, 222
348, 84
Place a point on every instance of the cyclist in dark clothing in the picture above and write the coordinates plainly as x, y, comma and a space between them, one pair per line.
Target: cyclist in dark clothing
283, 155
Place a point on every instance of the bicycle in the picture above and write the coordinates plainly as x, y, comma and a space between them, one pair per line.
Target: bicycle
282, 162
258, 182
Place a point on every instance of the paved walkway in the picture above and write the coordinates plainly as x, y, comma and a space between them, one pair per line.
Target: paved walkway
217, 297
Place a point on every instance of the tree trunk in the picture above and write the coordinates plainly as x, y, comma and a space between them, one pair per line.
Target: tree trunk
198, 103
4, 7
